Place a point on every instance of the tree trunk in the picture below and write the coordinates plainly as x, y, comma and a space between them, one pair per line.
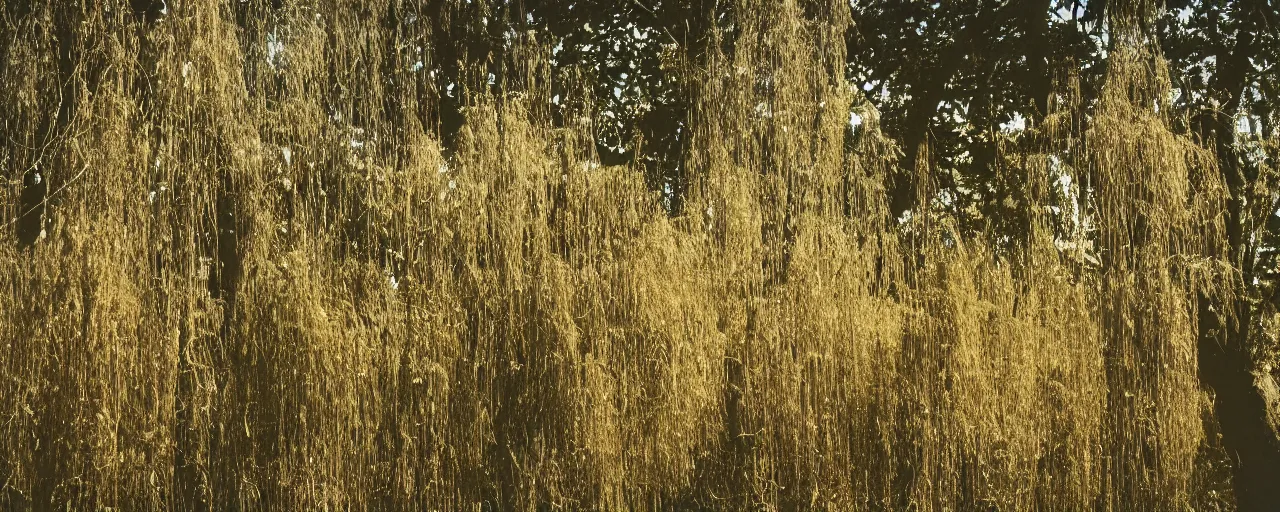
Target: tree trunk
1245, 400
1247, 405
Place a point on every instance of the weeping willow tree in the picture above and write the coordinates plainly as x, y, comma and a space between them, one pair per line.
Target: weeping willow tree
249, 261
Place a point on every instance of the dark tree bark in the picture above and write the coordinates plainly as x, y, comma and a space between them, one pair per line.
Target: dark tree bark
1242, 406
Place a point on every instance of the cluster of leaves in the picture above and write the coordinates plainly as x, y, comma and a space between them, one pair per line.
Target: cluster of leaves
968, 78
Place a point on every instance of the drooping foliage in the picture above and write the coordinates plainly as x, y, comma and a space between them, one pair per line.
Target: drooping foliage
370, 255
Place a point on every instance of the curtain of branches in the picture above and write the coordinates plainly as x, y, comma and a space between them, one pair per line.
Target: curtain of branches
639, 254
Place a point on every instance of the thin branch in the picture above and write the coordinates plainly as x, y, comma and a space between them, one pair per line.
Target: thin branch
44, 202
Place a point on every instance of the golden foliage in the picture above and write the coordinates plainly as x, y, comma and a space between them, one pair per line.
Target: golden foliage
262, 283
